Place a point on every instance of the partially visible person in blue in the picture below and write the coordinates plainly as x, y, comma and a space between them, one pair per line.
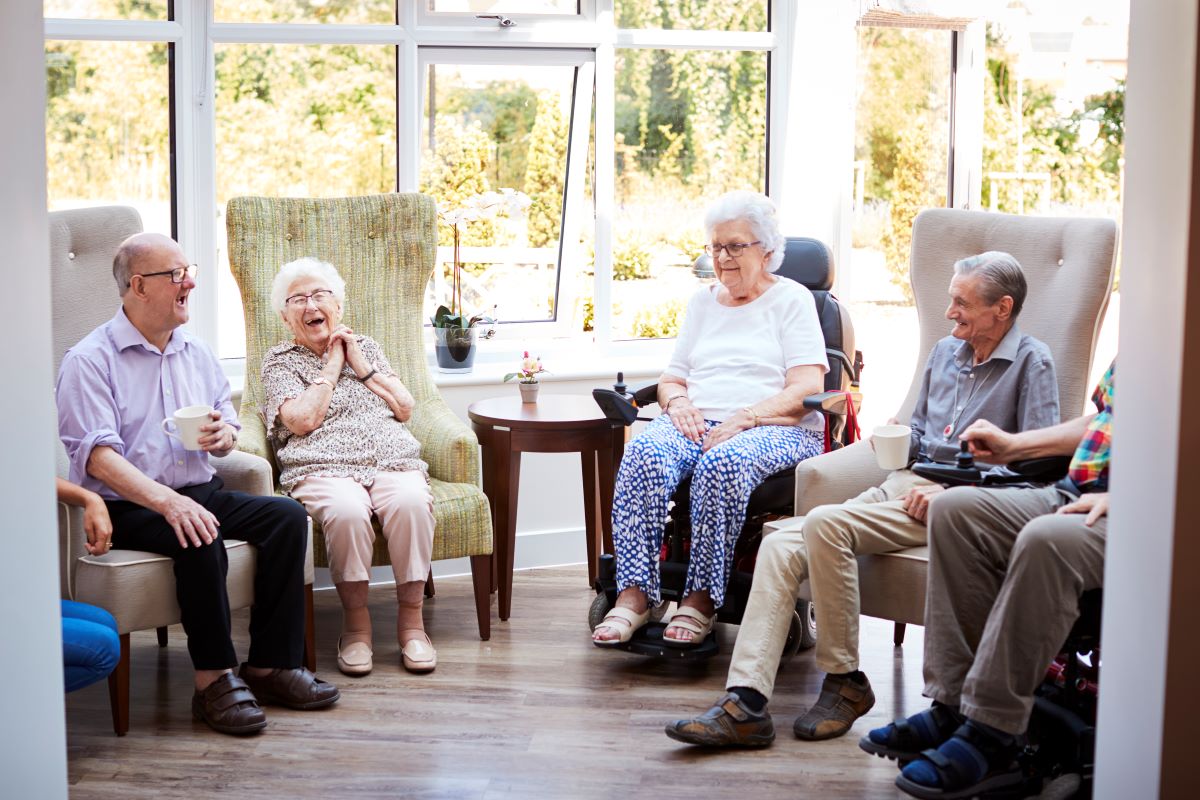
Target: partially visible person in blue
750, 351
91, 646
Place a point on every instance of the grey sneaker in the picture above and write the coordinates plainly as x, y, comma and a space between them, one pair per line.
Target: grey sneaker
729, 723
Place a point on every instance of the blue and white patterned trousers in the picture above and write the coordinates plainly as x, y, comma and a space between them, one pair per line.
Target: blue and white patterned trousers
655, 462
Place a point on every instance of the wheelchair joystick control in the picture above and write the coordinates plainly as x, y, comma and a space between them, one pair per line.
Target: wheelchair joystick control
964, 459
619, 387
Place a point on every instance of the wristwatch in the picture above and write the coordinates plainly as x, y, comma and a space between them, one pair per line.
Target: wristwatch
321, 379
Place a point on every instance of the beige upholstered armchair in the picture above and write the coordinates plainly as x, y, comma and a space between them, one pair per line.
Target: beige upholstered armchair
1069, 266
384, 246
135, 587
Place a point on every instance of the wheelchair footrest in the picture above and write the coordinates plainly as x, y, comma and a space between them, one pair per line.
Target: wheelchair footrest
649, 642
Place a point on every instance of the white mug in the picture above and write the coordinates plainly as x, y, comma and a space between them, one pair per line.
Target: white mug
891, 446
187, 422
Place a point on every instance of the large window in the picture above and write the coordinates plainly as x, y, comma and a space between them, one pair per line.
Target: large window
298, 121
501, 121
619, 120
108, 127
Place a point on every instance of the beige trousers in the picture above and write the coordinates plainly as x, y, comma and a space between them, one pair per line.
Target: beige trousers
824, 552
1005, 576
403, 503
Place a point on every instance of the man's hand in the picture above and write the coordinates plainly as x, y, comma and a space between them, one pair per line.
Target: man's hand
97, 526
192, 522
741, 421
687, 419
992, 444
217, 437
1095, 505
916, 500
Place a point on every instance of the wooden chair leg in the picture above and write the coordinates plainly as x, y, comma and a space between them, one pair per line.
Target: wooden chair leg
481, 577
429, 584
118, 690
162, 636
898, 634
310, 631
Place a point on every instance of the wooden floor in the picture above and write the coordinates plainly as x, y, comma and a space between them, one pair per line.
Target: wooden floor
537, 712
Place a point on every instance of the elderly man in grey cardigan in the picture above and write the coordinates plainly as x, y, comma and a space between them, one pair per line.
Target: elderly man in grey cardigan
985, 369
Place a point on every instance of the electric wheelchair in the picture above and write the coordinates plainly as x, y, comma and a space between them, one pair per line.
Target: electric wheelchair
810, 263
1058, 759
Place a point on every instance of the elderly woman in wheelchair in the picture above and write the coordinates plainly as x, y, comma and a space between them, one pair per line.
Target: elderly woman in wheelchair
750, 351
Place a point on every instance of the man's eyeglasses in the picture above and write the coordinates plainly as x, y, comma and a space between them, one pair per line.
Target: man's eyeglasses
734, 249
301, 300
177, 274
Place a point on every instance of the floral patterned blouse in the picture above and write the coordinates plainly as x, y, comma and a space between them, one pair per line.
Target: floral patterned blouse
359, 436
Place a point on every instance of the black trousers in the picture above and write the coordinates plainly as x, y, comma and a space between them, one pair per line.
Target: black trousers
276, 526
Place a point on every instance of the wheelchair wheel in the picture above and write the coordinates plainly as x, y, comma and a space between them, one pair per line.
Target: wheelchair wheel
808, 630
598, 610
1062, 787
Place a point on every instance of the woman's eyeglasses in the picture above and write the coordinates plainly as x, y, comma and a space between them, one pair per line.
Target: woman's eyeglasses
734, 249
301, 300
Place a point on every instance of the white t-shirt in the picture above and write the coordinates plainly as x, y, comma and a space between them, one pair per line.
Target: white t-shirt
736, 356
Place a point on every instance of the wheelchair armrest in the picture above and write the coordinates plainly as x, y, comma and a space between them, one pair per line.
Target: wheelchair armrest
645, 395
833, 403
1042, 470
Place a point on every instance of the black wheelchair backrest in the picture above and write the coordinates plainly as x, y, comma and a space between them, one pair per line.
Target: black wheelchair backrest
809, 262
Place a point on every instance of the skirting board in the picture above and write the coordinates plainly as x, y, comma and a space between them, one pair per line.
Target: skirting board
535, 549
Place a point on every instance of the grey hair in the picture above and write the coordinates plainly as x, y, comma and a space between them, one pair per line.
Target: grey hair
756, 209
1002, 275
129, 253
306, 267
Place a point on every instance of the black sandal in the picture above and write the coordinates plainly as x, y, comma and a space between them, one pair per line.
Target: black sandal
903, 741
994, 762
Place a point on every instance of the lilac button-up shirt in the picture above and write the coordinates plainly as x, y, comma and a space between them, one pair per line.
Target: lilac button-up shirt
115, 389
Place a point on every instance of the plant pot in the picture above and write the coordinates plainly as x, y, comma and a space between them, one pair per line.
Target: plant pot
529, 392
454, 348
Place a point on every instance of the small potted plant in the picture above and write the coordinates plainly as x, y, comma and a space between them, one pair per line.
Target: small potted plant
455, 332
531, 367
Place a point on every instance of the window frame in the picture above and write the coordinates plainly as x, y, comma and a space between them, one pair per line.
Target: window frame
194, 32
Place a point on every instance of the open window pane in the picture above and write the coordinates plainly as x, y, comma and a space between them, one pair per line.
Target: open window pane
744, 15
557, 7
901, 151
691, 124
105, 9
299, 121
489, 128
359, 12
108, 127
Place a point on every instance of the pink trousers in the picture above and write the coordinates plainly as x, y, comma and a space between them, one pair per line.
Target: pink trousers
403, 504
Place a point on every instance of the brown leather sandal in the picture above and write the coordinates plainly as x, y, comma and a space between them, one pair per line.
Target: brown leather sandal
843, 700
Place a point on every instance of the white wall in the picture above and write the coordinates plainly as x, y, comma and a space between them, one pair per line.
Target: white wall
1158, 168
32, 737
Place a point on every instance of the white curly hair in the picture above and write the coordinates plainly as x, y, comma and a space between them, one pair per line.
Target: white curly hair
759, 211
306, 267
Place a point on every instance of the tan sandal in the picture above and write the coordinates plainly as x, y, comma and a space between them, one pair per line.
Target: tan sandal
690, 620
625, 621
355, 658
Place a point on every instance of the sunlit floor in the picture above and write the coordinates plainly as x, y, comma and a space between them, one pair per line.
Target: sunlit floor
535, 712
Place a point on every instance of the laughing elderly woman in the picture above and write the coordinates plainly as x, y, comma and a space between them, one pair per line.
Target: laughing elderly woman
750, 351
336, 411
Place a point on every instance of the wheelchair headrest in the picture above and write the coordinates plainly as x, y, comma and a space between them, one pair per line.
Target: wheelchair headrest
809, 262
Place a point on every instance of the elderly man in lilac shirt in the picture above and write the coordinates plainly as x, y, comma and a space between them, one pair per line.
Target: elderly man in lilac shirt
114, 390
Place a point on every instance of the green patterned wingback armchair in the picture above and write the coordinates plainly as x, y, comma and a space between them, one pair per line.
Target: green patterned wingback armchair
384, 248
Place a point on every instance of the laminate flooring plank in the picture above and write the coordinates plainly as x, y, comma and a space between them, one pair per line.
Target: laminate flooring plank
536, 712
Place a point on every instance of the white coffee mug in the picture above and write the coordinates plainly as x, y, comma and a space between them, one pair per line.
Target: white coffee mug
892, 445
187, 422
